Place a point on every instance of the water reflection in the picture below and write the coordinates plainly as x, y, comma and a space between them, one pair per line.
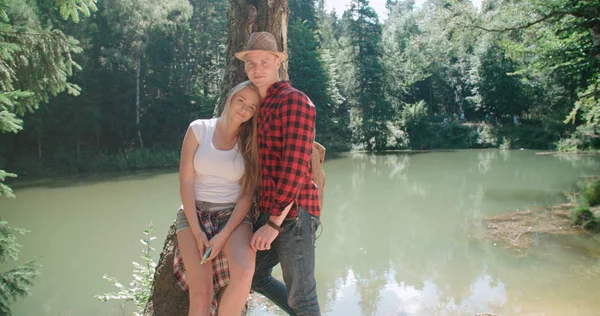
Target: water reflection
395, 237
396, 231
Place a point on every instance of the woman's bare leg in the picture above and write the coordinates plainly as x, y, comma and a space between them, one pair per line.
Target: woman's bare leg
199, 276
241, 269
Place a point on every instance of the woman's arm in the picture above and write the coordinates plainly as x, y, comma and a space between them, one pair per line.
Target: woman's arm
186, 187
239, 212
237, 216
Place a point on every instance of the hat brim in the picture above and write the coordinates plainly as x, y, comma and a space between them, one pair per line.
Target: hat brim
242, 54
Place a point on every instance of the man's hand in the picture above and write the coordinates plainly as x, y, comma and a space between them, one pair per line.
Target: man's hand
263, 238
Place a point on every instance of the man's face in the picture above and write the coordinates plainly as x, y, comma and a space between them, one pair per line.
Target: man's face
262, 68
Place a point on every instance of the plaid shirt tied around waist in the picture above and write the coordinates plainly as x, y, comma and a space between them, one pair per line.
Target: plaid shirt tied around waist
209, 222
286, 129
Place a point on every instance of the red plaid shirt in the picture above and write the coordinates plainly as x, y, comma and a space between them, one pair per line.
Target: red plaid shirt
286, 129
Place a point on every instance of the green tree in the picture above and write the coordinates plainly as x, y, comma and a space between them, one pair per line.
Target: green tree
303, 11
133, 21
364, 34
308, 74
35, 63
498, 91
560, 40
404, 54
15, 282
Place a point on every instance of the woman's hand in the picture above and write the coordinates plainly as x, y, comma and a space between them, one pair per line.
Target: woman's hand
217, 243
201, 242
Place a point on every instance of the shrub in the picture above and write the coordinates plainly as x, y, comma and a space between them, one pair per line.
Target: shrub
138, 290
591, 195
581, 215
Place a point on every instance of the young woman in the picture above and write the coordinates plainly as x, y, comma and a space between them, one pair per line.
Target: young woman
218, 175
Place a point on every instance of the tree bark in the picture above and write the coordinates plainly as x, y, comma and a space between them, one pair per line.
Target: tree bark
138, 66
245, 17
595, 32
78, 144
166, 297
39, 146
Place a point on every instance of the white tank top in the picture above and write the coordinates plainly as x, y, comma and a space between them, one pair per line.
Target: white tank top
217, 172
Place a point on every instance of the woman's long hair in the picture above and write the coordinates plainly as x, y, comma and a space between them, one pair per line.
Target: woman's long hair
247, 142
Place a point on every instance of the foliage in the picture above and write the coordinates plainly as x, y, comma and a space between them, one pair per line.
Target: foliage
15, 282
591, 195
581, 215
149, 68
35, 62
530, 137
585, 137
413, 122
138, 290
4, 189
371, 112
308, 74
487, 136
498, 93
557, 42
588, 196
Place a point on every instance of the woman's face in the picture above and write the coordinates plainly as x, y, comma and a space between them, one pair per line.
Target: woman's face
244, 105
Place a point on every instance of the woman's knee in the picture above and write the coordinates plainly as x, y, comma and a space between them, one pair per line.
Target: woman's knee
242, 267
201, 294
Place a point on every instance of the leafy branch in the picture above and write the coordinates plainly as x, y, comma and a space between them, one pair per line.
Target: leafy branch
138, 290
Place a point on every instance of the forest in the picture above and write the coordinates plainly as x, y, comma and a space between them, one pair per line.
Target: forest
113, 85
92, 86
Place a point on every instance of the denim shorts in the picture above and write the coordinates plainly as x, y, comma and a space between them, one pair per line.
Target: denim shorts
201, 206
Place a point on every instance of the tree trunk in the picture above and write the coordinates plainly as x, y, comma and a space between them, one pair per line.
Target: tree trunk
138, 66
12, 151
595, 32
166, 297
245, 17
39, 143
78, 144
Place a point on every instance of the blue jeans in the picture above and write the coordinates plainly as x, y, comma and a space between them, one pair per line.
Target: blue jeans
294, 249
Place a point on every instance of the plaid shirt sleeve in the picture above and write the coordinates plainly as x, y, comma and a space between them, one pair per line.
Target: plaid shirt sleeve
298, 124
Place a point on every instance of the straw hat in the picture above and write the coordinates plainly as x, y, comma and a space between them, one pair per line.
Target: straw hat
261, 41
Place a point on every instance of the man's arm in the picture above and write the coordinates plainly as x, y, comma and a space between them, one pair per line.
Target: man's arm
298, 125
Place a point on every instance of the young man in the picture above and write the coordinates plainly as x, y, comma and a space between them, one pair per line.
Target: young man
288, 197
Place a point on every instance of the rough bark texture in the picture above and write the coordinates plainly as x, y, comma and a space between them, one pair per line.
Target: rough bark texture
166, 298
245, 17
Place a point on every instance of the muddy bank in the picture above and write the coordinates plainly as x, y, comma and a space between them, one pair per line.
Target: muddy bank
519, 230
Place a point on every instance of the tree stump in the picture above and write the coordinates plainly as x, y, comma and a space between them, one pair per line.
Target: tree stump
166, 297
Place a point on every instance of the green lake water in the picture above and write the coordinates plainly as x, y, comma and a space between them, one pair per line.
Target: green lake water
396, 238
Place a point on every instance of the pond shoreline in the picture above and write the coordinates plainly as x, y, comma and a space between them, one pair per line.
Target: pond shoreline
44, 180
519, 230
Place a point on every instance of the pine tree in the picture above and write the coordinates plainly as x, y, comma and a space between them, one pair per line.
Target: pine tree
132, 22
35, 62
312, 70
15, 282
364, 34
303, 11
